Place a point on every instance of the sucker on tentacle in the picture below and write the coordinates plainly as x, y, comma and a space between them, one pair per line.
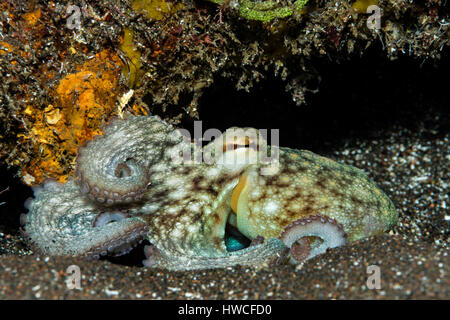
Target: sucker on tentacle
62, 222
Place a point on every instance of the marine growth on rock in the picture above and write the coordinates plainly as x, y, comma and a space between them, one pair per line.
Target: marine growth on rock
264, 11
240, 202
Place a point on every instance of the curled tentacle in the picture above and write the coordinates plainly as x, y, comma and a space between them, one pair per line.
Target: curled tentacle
114, 168
311, 236
73, 226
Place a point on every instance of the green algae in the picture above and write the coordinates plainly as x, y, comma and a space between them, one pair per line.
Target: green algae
264, 11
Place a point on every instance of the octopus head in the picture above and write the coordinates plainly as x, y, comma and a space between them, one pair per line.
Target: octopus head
235, 149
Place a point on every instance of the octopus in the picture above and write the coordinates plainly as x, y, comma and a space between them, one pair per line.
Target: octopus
236, 201
264, 10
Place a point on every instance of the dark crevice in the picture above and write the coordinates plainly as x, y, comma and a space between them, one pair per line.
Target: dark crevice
235, 240
363, 97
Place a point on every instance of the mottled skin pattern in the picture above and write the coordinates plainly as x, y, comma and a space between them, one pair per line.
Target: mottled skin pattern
61, 222
133, 149
307, 184
128, 187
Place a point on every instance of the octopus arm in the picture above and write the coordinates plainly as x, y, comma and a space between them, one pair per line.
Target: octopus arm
62, 222
271, 252
114, 168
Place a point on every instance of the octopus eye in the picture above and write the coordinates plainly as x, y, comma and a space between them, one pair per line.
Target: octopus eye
236, 145
245, 143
